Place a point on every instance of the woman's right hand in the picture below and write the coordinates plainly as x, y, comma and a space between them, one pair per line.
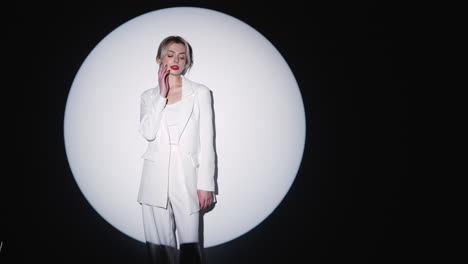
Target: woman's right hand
163, 80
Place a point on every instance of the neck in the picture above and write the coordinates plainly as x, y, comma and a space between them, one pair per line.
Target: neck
175, 80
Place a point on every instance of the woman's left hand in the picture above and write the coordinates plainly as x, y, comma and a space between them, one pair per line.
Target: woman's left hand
205, 198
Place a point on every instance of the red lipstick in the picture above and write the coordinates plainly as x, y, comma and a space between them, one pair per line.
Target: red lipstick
175, 67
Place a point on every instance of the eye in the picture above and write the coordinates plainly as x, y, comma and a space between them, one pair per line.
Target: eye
182, 58
170, 56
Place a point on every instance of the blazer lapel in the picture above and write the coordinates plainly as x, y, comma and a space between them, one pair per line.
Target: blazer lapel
186, 107
187, 102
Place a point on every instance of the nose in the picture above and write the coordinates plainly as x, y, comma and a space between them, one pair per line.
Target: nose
176, 59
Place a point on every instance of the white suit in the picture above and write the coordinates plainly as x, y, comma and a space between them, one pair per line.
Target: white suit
195, 146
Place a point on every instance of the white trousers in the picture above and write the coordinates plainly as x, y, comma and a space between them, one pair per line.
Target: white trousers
173, 225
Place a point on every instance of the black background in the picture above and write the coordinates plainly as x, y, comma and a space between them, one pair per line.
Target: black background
346, 204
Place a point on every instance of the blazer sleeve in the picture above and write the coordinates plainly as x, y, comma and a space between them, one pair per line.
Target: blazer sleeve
151, 107
206, 167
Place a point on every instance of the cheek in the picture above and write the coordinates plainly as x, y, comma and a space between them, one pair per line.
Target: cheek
166, 60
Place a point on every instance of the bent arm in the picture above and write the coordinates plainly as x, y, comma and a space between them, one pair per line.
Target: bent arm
206, 169
151, 108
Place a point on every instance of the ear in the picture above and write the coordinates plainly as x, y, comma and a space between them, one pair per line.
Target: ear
158, 61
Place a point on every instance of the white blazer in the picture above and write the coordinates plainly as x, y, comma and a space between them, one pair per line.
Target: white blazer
195, 145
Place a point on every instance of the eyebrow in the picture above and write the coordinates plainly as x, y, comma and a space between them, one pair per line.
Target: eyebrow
175, 52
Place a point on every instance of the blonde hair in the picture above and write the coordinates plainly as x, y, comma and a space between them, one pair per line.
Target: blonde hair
164, 46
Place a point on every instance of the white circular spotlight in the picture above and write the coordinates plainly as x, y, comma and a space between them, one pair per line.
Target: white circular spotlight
259, 118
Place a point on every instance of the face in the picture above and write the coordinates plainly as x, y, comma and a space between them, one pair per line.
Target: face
175, 58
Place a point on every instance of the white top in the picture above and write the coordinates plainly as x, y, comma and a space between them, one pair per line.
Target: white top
172, 114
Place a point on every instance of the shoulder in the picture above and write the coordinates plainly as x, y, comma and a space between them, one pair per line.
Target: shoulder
198, 87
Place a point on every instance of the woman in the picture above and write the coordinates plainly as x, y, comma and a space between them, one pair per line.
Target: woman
179, 163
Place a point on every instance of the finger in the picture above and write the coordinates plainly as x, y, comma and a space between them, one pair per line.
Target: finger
166, 73
161, 74
200, 200
160, 70
167, 82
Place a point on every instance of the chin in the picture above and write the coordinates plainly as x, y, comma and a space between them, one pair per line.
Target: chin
178, 72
